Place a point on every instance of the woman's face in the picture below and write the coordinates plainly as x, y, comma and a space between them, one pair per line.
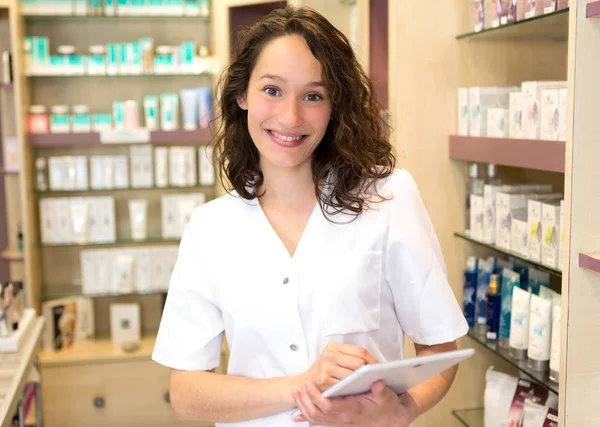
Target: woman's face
288, 107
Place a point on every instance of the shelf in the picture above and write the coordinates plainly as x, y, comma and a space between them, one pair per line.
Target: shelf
520, 153
178, 137
509, 253
540, 377
6, 85
590, 261
70, 291
59, 193
120, 242
40, 17
469, 417
100, 350
30, 74
12, 256
552, 26
592, 9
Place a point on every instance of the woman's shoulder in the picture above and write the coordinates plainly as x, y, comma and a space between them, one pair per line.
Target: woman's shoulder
398, 186
215, 211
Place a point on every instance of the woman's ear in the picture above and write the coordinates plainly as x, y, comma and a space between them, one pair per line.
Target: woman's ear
241, 101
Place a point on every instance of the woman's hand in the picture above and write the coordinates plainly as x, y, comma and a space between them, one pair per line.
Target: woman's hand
335, 363
381, 407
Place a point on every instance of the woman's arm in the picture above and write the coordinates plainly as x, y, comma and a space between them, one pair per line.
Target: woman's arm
210, 397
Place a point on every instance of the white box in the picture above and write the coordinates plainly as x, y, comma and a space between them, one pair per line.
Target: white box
189, 155
476, 217
515, 112
519, 234
534, 227
81, 173
506, 204
159, 277
94, 220
532, 104
463, 112
125, 323
120, 171
98, 172
108, 229
206, 170
104, 261
562, 235
550, 233
161, 171
123, 270
88, 272
480, 100
562, 114
141, 166
177, 165
489, 208
56, 173
47, 221
550, 115
170, 217
65, 228
142, 281
497, 122
11, 156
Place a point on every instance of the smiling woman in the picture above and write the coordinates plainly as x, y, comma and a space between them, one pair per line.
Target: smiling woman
318, 261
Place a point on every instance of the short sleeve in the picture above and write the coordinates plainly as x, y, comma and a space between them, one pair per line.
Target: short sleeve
426, 307
190, 335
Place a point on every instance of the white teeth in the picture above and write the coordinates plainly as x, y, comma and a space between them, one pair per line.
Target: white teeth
287, 138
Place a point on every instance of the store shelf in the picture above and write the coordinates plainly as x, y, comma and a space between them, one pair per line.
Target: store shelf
540, 377
552, 26
69, 291
469, 417
121, 190
100, 350
43, 17
590, 261
6, 85
592, 9
12, 256
119, 242
31, 74
519, 153
177, 137
509, 253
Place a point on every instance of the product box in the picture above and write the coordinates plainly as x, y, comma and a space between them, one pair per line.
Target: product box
70, 321
562, 4
81, 172
542, 7
476, 15
88, 272
549, 121
101, 172
562, 114
125, 323
206, 171
508, 11
480, 100
81, 123
490, 14
101, 122
141, 166
550, 233
525, 9
497, 123
120, 171
476, 217
532, 104
515, 110
489, 208
47, 221
60, 123
519, 234
534, 224
108, 230
506, 204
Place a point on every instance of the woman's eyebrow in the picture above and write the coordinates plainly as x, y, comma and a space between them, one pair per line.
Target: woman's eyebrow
276, 77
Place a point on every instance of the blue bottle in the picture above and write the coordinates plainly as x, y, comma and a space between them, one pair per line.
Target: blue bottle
470, 290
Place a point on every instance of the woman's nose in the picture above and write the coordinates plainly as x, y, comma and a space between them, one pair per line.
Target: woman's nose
290, 114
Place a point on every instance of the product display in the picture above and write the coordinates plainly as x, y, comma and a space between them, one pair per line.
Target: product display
116, 7
469, 291
125, 323
12, 306
176, 212
70, 321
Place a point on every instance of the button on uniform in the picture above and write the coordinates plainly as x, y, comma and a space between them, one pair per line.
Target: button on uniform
294, 347
286, 281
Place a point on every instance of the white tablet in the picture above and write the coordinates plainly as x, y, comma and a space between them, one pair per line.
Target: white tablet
400, 375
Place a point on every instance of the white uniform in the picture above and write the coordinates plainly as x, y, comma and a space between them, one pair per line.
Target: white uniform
364, 283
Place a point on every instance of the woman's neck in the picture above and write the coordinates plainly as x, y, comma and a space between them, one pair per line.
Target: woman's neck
283, 186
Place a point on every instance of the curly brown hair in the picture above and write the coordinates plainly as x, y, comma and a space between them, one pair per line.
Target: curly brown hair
354, 148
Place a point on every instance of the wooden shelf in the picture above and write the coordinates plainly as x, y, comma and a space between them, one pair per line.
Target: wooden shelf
75, 291
12, 256
100, 350
552, 26
592, 9
520, 153
178, 137
590, 261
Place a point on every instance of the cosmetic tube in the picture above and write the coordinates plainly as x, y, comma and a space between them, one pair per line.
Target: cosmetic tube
79, 218
123, 274
540, 325
151, 112
510, 280
138, 214
188, 109
519, 324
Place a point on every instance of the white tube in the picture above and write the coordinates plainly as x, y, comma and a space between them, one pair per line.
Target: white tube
123, 274
555, 344
138, 213
189, 107
519, 323
540, 328
161, 162
79, 219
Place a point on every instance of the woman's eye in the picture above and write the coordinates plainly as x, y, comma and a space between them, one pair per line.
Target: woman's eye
271, 91
313, 97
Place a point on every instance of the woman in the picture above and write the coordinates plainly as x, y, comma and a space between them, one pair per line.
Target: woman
321, 258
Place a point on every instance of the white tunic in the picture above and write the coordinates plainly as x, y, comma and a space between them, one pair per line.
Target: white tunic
365, 283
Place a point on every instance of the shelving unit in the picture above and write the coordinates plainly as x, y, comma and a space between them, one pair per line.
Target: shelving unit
469, 417
170, 188
510, 254
592, 9
12, 256
181, 137
32, 75
521, 153
590, 261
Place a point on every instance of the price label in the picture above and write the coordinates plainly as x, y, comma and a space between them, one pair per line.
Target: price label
125, 136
